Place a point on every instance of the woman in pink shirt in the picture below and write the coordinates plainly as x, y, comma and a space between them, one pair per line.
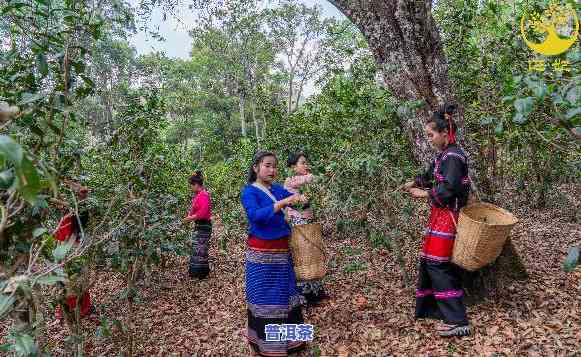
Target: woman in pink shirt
313, 290
201, 214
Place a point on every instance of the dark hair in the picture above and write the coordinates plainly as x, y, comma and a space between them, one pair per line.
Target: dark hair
441, 123
256, 160
197, 177
294, 157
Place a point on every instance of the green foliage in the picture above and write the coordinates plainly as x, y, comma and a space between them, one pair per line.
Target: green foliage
354, 267
351, 136
225, 181
24, 346
42, 76
60, 252
19, 172
522, 121
6, 302
379, 240
144, 174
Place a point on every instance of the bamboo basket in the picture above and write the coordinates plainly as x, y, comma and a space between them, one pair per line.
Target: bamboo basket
308, 251
482, 230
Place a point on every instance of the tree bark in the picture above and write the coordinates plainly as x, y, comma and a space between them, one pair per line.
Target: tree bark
263, 125
404, 39
300, 93
256, 126
242, 117
290, 92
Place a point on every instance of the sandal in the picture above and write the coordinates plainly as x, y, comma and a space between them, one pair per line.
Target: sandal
447, 330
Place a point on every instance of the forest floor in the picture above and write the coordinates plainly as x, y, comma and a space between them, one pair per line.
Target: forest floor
371, 313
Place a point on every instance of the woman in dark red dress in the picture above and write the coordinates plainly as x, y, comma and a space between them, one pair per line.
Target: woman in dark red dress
439, 293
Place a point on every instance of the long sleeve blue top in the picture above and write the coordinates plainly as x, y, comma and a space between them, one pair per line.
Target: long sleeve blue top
263, 222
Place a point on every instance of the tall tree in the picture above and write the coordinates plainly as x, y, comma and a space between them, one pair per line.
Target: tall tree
405, 42
112, 66
298, 32
232, 38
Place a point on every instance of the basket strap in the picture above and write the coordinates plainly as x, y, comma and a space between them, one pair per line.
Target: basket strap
269, 194
453, 221
265, 190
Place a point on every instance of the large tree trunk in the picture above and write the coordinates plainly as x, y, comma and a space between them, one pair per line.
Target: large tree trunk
404, 39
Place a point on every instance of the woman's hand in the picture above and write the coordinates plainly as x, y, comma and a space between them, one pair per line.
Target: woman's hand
294, 199
418, 193
187, 219
289, 201
409, 185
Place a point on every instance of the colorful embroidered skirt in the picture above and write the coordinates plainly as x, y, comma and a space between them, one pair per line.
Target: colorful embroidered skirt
271, 295
199, 266
439, 293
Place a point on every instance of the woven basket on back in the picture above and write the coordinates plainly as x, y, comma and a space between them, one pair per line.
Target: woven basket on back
483, 228
308, 251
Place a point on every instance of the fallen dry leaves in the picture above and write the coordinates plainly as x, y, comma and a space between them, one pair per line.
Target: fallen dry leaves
371, 313
360, 302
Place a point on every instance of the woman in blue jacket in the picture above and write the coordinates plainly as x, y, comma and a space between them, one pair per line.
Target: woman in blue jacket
271, 292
